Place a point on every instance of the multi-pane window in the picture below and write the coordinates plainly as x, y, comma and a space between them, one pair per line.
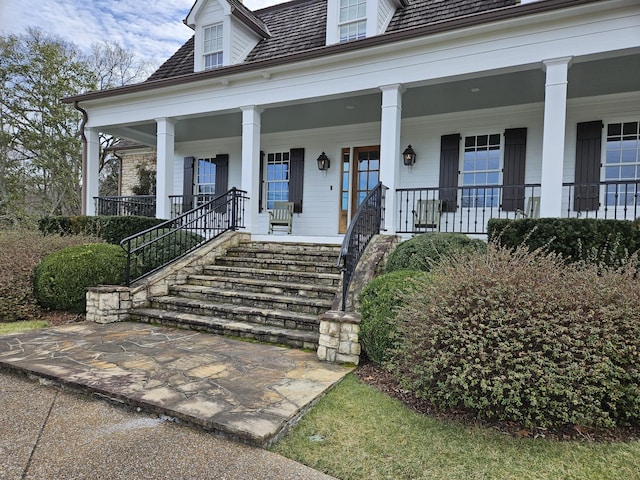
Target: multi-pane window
206, 183
481, 168
353, 19
277, 178
213, 46
622, 163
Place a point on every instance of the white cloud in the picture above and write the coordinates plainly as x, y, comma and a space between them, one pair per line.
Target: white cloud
152, 29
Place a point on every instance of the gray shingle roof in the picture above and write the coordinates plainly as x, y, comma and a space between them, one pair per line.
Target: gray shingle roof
300, 25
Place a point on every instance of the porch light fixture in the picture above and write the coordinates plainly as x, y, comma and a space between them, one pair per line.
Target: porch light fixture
409, 156
323, 162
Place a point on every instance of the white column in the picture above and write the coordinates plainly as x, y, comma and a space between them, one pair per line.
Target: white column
92, 175
553, 138
251, 163
164, 165
390, 150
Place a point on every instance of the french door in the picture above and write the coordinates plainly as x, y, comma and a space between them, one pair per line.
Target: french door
360, 175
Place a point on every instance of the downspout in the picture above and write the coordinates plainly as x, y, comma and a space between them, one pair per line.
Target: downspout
85, 119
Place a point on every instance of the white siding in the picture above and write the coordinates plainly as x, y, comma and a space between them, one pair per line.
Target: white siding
242, 42
386, 9
211, 13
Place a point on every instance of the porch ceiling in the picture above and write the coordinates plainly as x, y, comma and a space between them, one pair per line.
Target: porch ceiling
587, 77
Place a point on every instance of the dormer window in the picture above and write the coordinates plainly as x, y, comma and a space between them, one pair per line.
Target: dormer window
353, 20
213, 46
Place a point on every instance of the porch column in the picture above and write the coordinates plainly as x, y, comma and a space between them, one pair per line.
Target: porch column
251, 163
164, 165
553, 137
390, 149
92, 174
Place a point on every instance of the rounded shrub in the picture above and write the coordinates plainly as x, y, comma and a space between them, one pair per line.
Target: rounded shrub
61, 277
524, 337
378, 301
424, 251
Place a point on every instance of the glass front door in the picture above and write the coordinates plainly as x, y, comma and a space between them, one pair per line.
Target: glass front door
359, 177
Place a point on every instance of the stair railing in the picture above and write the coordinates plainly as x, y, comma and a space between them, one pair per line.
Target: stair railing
156, 247
367, 222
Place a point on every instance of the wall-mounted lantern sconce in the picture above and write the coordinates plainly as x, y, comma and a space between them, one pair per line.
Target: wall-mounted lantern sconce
323, 162
409, 156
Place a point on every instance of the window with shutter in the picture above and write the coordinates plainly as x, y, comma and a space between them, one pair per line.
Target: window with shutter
283, 178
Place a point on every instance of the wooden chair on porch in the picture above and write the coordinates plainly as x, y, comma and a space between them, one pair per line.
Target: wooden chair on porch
532, 210
281, 216
427, 214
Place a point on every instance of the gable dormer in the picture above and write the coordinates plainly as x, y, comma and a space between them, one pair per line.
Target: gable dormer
225, 32
355, 19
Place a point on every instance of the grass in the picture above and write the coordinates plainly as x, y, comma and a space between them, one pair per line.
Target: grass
15, 327
367, 435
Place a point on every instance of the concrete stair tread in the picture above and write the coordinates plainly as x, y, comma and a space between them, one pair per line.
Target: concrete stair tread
297, 300
267, 271
257, 282
230, 325
284, 246
279, 261
231, 307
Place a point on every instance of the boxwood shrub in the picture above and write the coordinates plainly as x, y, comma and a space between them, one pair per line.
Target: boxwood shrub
378, 301
525, 337
424, 251
111, 229
605, 241
61, 278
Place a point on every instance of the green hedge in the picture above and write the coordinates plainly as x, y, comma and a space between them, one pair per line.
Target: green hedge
607, 241
378, 301
525, 337
61, 278
424, 251
111, 229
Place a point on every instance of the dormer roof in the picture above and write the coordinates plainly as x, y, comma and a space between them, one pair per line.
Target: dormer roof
238, 10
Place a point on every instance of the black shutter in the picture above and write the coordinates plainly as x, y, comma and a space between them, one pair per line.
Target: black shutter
222, 173
587, 175
261, 183
187, 184
449, 164
296, 178
515, 145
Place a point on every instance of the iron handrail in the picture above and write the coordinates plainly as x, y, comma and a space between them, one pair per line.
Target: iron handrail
158, 246
367, 222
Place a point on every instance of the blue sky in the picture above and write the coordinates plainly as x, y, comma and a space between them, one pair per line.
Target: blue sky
152, 29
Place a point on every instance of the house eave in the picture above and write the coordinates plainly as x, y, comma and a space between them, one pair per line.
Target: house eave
502, 14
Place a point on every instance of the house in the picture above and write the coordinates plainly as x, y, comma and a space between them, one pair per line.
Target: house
465, 109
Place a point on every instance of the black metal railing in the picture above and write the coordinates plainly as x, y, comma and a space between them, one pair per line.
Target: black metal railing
183, 203
156, 247
612, 199
141, 205
367, 222
463, 209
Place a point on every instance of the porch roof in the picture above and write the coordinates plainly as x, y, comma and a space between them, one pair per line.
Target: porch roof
420, 18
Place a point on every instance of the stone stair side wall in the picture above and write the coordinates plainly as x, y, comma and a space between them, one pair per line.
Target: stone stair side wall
108, 304
339, 331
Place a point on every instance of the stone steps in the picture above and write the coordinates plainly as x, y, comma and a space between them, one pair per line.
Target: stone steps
269, 291
221, 326
273, 286
291, 303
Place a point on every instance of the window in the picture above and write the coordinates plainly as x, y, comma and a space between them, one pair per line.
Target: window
277, 178
353, 22
206, 183
480, 168
622, 162
213, 47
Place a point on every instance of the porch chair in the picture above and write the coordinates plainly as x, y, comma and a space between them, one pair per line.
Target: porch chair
532, 210
281, 216
427, 214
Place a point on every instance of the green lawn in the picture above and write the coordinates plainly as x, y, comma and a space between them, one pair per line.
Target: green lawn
14, 327
356, 432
